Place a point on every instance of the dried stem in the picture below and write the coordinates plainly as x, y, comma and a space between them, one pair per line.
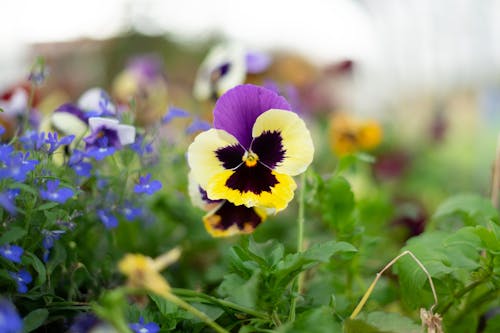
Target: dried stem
495, 182
367, 294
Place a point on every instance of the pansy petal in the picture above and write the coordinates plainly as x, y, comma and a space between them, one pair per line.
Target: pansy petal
297, 149
96, 122
126, 134
204, 154
199, 196
68, 123
228, 220
237, 110
223, 68
272, 191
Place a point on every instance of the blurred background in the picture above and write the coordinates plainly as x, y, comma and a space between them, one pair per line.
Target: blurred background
428, 71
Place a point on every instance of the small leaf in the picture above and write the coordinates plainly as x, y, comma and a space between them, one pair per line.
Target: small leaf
38, 266
241, 291
337, 202
318, 320
12, 235
34, 320
469, 209
47, 205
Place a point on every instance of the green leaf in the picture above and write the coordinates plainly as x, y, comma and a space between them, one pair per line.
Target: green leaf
468, 209
381, 322
12, 235
47, 205
166, 308
294, 263
241, 291
490, 237
24, 187
462, 249
317, 320
337, 202
38, 266
34, 320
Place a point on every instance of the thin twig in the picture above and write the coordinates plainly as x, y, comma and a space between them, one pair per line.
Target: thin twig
367, 294
495, 182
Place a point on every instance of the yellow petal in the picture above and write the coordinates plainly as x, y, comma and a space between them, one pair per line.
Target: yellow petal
277, 197
202, 158
296, 139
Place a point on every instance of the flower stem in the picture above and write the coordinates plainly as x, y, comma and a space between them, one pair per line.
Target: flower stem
299, 281
194, 311
220, 302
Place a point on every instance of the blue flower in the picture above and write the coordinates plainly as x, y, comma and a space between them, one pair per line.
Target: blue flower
131, 212
55, 143
77, 163
17, 166
53, 193
84, 323
32, 140
11, 252
145, 186
10, 321
5, 151
172, 113
23, 278
7, 202
107, 218
140, 147
2, 130
48, 241
140, 327
197, 125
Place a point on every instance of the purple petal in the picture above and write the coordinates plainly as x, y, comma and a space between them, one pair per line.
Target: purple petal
257, 62
236, 110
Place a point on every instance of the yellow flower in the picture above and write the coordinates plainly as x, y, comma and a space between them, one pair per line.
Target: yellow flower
144, 272
349, 134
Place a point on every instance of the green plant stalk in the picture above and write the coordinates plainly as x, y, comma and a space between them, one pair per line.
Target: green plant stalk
297, 286
487, 296
191, 309
442, 310
221, 302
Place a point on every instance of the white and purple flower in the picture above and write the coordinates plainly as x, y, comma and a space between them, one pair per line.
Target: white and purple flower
107, 135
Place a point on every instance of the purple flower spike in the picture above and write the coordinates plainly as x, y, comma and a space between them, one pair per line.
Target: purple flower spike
53, 193
10, 321
257, 62
23, 278
11, 252
140, 327
197, 125
107, 218
173, 113
145, 186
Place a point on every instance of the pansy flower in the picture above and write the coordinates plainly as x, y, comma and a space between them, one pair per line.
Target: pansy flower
225, 67
224, 219
96, 102
349, 134
256, 147
107, 135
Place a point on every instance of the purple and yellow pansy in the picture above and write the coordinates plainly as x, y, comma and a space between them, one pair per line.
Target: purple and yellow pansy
249, 157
